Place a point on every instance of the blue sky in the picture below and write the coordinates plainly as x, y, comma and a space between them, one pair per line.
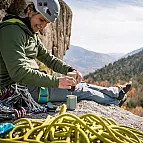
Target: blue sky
107, 26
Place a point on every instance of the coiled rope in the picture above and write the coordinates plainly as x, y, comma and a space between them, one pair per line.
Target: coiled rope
68, 128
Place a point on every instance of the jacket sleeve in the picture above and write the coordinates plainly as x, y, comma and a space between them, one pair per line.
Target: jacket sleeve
51, 61
12, 43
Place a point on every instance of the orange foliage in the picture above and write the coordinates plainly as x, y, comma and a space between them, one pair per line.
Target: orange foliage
136, 111
102, 83
94, 82
86, 80
131, 93
117, 84
124, 107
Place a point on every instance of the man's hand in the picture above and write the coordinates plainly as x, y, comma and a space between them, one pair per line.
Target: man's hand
66, 82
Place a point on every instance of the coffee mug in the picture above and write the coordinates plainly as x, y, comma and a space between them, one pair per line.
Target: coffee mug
72, 74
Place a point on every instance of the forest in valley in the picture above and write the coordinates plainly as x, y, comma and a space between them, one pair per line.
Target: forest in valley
120, 72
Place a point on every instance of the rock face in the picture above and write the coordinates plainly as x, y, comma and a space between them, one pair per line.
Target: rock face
56, 36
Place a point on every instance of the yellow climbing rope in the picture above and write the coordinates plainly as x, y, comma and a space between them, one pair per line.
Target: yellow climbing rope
68, 128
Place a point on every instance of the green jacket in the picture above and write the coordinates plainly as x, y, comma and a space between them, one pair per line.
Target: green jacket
19, 48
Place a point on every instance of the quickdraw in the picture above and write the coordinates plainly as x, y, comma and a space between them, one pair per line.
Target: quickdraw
7, 112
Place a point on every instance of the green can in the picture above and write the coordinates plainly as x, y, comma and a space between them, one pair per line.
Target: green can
71, 102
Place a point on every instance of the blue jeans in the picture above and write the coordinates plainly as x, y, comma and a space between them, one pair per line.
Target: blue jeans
84, 91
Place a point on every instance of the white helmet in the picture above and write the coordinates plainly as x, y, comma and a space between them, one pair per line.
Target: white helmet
50, 9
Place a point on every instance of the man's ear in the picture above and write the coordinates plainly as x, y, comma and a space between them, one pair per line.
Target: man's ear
30, 11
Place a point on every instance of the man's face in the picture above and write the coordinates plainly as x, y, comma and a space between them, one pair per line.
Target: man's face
38, 22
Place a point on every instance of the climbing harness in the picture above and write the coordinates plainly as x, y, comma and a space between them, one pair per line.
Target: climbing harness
6, 112
17, 100
68, 128
23, 97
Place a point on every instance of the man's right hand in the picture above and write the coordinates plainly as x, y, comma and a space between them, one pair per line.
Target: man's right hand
66, 82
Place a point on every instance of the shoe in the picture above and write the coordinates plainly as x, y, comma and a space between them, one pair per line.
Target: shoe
124, 90
127, 87
121, 102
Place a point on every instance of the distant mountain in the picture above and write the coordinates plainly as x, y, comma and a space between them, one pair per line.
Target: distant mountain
133, 52
86, 61
123, 69
116, 56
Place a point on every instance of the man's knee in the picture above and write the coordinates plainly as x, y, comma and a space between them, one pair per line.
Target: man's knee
34, 91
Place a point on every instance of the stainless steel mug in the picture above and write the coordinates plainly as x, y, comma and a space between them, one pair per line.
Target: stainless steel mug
71, 102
